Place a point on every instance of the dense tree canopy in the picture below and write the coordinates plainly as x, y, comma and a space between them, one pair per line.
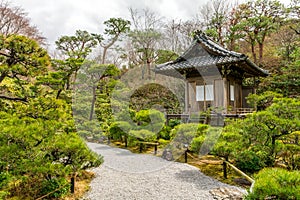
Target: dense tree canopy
39, 143
21, 61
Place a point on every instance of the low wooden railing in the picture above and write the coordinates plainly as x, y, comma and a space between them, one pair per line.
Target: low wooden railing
142, 144
241, 111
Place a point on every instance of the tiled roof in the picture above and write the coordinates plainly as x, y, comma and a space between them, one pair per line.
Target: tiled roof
203, 53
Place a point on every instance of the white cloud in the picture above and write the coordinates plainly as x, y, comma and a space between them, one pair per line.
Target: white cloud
56, 18
64, 17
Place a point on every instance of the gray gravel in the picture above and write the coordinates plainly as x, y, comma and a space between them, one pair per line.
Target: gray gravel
125, 175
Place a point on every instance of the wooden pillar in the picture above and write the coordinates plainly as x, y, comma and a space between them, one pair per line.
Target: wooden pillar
241, 94
254, 91
225, 84
254, 85
186, 97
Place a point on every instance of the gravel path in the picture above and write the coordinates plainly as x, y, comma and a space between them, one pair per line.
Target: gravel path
125, 175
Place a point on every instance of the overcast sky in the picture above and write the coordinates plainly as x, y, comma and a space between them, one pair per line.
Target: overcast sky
55, 18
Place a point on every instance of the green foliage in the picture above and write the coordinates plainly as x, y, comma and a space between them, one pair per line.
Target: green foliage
152, 120
188, 131
163, 142
77, 46
174, 122
74, 154
119, 129
116, 26
20, 57
275, 183
183, 134
165, 56
37, 142
153, 94
143, 42
257, 20
262, 101
257, 140
248, 161
143, 135
103, 105
3, 178
205, 141
286, 81
289, 150
229, 140
37, 138
197, 143
61, 187
165, 133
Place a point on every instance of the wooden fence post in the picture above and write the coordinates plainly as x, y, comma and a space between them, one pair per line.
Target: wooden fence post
141, 147
185, 156
72, 185
225, 169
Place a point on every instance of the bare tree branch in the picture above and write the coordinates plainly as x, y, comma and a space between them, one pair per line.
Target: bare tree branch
13, 98
14, 20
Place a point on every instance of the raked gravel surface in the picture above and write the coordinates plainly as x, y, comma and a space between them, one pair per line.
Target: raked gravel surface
125, 175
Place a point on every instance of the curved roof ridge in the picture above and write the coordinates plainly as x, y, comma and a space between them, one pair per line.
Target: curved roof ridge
203, 39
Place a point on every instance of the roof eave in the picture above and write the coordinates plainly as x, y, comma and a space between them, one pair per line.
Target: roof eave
261, 71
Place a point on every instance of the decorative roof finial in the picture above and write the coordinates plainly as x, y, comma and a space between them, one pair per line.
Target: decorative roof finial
199, 33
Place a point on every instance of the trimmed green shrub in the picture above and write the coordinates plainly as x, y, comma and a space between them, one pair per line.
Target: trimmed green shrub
119, 129
248, 161
197, 143
187, 132
163, 142
174, 122
143, 135
276, 183
152, 120
183, 135
164, 133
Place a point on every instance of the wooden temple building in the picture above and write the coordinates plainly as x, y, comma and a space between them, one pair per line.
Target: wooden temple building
213, 76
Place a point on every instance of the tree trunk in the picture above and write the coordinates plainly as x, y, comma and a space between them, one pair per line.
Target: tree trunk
253, 53
93, 103
220, 35
58, 93
149, 69
273, 145
261, 51
104, 55
3, 75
